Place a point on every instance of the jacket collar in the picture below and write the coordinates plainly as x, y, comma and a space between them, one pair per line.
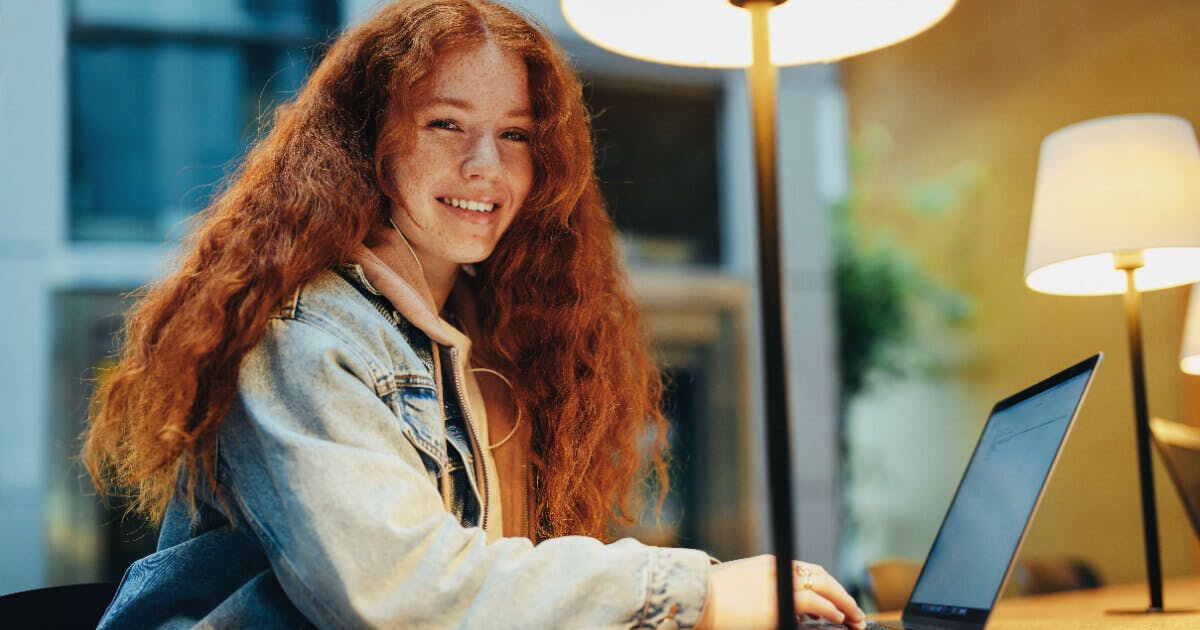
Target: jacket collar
389, 268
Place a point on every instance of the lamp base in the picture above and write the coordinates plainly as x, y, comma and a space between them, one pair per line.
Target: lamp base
1150, 611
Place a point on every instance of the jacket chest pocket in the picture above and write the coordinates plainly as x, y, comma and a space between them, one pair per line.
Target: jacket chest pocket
444, 450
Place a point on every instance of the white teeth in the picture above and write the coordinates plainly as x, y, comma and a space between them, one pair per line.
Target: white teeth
474, 206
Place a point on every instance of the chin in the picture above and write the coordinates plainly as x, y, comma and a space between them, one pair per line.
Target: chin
474, 256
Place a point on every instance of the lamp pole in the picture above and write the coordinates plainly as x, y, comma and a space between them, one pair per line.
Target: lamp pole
1130, 262
762, 77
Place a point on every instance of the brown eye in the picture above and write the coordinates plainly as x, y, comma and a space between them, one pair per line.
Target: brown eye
516, 135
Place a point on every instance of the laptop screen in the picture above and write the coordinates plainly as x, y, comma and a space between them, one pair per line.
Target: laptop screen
971, 554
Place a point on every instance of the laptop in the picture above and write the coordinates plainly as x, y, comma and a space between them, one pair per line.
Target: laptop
973, 552
1179, 445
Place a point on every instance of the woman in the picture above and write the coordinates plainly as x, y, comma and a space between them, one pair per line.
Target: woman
399, 351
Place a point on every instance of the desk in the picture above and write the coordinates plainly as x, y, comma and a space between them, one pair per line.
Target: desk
1085, 609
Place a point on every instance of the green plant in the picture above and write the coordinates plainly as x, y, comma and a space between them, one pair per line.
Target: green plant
882, 290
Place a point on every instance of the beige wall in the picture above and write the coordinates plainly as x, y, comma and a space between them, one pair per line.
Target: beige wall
988, 84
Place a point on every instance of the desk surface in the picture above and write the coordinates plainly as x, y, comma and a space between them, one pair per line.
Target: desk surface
1086, 609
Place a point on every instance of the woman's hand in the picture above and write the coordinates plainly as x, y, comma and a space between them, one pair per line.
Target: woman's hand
741, 594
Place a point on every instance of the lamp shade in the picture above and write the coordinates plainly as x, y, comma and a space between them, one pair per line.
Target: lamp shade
1119, 185
1189, 356
716, 33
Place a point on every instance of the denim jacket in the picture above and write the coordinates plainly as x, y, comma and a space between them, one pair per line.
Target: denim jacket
353, 500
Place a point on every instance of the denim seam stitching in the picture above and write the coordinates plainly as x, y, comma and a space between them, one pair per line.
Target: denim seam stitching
316, 321
416, 380
381, 374
651, 573
373, 365
440, 454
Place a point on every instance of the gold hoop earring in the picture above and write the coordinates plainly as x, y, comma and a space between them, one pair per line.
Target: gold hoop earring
512, 393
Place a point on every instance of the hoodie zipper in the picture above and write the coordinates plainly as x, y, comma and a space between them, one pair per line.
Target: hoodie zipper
464, 406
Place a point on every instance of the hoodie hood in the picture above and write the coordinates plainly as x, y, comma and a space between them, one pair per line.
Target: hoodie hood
393, 271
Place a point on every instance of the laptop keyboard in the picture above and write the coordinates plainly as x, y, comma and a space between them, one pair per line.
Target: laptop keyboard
871, 625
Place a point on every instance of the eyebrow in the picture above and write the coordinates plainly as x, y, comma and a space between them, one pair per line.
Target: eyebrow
520, 112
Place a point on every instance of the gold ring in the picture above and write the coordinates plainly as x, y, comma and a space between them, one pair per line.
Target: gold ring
802, 572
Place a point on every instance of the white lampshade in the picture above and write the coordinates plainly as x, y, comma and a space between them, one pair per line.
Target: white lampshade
716, 33
1189, 356
1118, 185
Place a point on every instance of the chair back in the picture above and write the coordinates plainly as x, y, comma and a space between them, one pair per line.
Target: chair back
60, 607
891, 581
1052, 575
1179, 444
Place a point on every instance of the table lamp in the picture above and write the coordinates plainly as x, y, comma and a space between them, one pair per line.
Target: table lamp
758, 34
1189, 355
1116, 209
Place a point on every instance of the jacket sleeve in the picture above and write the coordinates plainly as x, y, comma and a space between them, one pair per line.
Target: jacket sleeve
356, 532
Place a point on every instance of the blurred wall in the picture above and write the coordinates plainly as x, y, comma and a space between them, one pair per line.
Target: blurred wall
988, 84
32, 196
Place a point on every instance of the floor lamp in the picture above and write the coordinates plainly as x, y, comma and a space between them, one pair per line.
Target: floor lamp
1116, 210
759, 35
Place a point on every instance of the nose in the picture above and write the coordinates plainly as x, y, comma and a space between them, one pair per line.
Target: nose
483, 159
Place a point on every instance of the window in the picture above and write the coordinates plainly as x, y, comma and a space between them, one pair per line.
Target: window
166, 96
656, 158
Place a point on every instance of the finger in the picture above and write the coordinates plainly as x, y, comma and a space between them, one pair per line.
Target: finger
812, 603
831, 589
836, 593
861, 624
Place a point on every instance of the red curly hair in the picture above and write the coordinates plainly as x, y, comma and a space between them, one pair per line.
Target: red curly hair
309, 191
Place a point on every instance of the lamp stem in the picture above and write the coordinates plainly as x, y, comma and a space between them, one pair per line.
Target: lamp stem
762, 79
1133, 316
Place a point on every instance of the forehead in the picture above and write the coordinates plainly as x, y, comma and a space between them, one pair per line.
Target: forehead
485, 74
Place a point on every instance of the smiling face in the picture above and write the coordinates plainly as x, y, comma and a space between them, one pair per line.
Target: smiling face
466, 168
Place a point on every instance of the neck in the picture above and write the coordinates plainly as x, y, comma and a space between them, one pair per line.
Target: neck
440, 277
